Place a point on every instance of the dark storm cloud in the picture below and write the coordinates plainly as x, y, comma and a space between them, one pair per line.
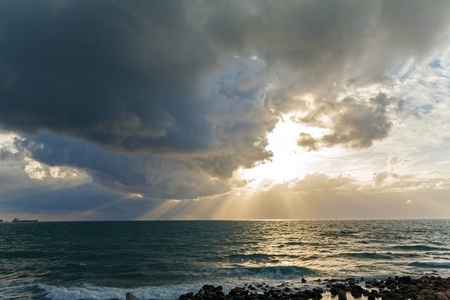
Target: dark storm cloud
152, 176
174, 93
129, 75
102, 72
88, 200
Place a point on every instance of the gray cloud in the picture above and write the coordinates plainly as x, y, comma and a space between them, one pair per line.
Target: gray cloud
354, 123
307, 141
169, 98
6, 155
154, 177
124, 76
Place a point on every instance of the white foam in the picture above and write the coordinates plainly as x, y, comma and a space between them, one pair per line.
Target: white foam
92, 292
437, 264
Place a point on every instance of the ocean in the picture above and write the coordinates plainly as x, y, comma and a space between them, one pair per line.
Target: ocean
164, 259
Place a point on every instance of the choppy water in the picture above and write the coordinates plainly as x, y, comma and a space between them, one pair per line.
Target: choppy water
163, 259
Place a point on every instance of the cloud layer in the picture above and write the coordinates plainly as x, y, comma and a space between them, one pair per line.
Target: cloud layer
168, 99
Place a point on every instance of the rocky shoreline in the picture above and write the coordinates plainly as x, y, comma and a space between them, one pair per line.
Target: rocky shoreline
398, 288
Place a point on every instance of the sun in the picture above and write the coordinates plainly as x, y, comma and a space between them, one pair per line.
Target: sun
289, 160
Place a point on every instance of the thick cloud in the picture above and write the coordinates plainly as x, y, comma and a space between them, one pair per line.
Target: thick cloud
320, 182
124, 76
6, 155
152, 176
353, 123
168, 98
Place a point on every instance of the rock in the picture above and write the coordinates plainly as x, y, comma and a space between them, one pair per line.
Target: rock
439, 282
317, 296
442, 296
405, 287
405, 279
390, 280
356, 293
334, 291
390, 295
352, 280
187, 296
426, 295
375, 293
392, 286
207, 289
318, 290
236, 291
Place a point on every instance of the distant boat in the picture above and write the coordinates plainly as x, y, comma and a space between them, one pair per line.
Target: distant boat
23, 221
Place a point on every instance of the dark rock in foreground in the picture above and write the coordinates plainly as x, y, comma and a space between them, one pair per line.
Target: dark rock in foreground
398, 288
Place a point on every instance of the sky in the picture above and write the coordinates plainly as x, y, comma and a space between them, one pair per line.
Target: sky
237, 109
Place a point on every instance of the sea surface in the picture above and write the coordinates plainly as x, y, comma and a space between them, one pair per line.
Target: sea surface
164, 259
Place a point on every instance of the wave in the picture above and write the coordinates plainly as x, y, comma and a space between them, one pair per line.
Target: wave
242, 274
25, 254
364, 255
294, 243
253, 256
256, 273
280, 272
443, 265
259, 257
92, 292
419, 248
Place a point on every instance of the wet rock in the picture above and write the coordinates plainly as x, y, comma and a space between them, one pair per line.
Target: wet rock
390, 280
237, 291
198, 296
405, 287
187, 296
356, 293
375, 293
318, 290
443, 296
334, 291
390, 295
405, 279
426, 294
